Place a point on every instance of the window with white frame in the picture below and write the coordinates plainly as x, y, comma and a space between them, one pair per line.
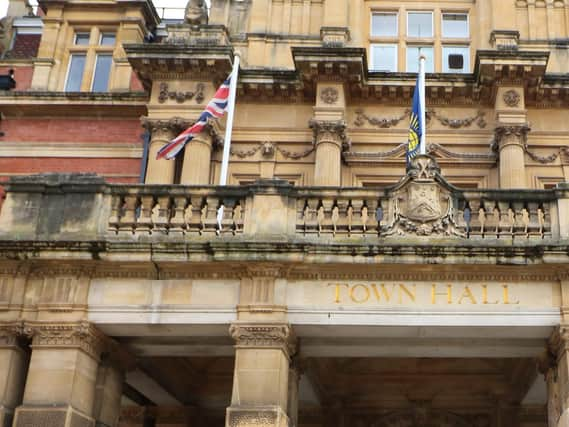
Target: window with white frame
420, 24
90, 61
413, 55
384, 24
384, 57
455, 26
456, 53
456, 59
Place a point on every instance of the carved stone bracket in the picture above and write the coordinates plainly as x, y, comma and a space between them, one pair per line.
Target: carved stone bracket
461, 123
81, 335
264, 336
268, 149
331, 132
380, 122
180, 96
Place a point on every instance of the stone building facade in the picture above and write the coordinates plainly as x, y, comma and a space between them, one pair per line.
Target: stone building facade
343, 288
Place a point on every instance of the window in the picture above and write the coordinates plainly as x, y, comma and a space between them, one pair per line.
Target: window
384, 57
420, 24
102, 73
413, 53
455, 25
463, 51
384, 25
75, 73
107, 39
82, 39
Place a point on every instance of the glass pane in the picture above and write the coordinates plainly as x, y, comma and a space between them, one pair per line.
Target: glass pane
102, 73
455, 25
75, 73
82, 39
458, 50
420, 24
107, 39
384, 24
413, 53
384, 57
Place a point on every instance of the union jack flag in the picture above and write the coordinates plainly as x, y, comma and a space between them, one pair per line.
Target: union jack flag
214, 109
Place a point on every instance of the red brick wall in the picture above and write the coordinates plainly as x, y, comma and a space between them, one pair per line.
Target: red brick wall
127, 131
23, 75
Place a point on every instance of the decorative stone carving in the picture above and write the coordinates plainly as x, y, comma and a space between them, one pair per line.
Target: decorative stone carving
421, 206
268, 148
180, 96
461, 123
253, 418
334, 36
41, 417
380, 122
511, 98
10, 332
263, 335
196, 12
329, 95
82, 335
330, 131
506, 132
174, 124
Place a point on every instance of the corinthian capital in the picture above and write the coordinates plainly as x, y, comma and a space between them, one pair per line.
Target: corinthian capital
263, 336
511, 134
10, 332
173, 125
81, 335
329, 131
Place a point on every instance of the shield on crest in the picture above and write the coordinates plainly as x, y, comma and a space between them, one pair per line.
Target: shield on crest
423, 203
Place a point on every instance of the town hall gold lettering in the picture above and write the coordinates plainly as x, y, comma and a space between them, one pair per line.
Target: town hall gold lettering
433, 294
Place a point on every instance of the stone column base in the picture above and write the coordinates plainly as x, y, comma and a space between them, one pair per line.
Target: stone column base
255, 417
51, 417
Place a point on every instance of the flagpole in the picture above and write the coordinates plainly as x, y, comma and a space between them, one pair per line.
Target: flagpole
228, 128
422, 103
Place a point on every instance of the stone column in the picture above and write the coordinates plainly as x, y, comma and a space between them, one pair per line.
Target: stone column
13, 367
161, 132
511, 141
294, 373
108, 388
329, 137
260, 381
197, 159
60, 387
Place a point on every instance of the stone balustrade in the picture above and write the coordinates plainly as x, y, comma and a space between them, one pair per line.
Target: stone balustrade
421, 206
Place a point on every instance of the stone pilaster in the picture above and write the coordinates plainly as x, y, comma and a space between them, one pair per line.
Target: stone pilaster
294, 373
13, 367
259, 299
511, 143
161, 132
329, 140
196, 169
260, 382
60, 387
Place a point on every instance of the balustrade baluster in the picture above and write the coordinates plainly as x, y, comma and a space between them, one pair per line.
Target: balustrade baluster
144, 220
178, 221
128, 218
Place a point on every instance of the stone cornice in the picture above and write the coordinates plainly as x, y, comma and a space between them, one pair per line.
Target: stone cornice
253, 335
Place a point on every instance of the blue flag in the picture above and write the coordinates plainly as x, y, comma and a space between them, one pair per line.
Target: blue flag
415, 126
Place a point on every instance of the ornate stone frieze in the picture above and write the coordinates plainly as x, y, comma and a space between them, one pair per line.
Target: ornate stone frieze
329, 95
263, 335
268, 149
251, 418
511, 98
380, 122
179, 96
330, 132
478, 118
82, 335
